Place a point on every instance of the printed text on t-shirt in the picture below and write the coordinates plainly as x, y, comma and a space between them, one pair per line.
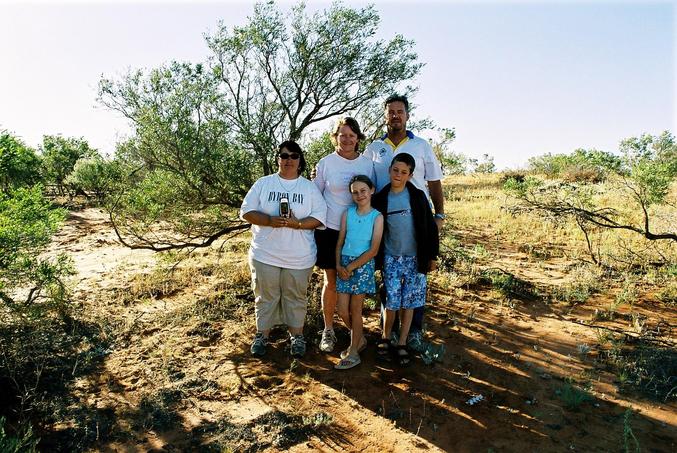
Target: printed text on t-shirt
276, 196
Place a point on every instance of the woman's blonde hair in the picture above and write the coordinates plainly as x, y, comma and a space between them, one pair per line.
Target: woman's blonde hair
353, 125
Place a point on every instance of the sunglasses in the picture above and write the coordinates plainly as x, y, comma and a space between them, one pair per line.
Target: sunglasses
292, 156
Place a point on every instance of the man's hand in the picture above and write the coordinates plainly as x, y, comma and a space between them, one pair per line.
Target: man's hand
440, 224
432, 265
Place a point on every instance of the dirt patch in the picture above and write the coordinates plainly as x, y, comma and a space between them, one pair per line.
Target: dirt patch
179, 376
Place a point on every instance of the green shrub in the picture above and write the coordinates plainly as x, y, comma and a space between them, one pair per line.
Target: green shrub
95, 175
23, 442
19, 165
580, 166
572, 396
27, 223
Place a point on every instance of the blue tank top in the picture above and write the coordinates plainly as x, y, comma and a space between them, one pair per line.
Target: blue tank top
359, 229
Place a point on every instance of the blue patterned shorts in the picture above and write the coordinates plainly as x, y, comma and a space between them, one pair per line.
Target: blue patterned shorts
361, 281
405, 286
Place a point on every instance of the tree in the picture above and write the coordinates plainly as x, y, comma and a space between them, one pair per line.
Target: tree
19, 164
594, 162
486, 165
204, 132
27, 223
649, 167
59, 155
452, 163
95, 175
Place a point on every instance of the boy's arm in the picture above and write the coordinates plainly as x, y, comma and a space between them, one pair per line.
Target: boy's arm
373, 250
433, 237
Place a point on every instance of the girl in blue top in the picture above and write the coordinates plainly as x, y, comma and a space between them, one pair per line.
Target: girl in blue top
358, 243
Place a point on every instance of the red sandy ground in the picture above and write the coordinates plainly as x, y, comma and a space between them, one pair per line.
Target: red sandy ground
516, 356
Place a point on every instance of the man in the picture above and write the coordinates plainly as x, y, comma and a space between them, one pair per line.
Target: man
427, 175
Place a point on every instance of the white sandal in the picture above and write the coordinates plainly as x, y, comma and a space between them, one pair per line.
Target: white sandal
348, 362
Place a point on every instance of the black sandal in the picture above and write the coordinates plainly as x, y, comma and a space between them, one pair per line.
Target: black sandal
383, 347
402, 355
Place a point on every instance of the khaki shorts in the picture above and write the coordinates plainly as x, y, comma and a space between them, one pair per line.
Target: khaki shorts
280, 295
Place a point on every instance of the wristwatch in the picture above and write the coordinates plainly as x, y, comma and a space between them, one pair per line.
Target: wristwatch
440, 216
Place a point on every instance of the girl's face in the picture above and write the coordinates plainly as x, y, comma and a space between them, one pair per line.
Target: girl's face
361, 193
400, 173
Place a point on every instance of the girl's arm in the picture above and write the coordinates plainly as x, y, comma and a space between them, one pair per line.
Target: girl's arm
342, 272
373, 250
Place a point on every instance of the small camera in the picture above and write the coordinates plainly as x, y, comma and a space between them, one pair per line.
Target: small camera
284, 207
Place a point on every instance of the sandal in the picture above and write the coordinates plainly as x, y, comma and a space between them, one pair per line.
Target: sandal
348, 362
402, 355
383, 347
363, 346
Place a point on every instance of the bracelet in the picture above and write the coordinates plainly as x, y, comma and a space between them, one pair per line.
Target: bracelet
440, 216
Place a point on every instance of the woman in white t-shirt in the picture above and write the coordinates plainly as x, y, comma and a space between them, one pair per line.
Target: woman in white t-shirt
284, 208
332, 177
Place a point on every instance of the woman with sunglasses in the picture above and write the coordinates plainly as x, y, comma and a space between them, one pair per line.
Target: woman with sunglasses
332, 177
284, 209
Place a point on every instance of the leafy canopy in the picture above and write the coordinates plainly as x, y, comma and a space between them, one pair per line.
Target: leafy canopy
59, 155
204, 132
27, 223
19, 164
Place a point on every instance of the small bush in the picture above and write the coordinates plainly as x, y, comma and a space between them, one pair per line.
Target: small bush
585, 281
23, 442
517, 175
645, 366
584, 175
572, 396
668, 294
509, 285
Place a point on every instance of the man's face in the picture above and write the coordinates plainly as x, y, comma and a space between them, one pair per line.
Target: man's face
396, 116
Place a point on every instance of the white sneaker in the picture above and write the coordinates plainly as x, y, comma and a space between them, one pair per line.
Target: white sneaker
328, 341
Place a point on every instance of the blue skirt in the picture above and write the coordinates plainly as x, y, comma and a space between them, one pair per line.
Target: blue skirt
361, 281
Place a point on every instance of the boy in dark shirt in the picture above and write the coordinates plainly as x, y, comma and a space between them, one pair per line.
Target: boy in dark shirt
409, 250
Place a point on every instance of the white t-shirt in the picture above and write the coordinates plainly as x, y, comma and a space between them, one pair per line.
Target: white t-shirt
332, 177
284, 247
428, 168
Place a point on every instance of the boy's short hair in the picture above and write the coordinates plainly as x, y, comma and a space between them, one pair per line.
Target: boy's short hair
361, 178
405, 158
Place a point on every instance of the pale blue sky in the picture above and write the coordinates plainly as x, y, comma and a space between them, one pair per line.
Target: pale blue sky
516, 79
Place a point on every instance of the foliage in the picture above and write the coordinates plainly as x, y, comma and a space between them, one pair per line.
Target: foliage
572, 396
205, 132
519, 176
19, 165
452, 163
591, 165
96, 175
508, 284
59, 155
628, 434
484, 165
26, 442
648, 167
318, 148
27, 222
650, 368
